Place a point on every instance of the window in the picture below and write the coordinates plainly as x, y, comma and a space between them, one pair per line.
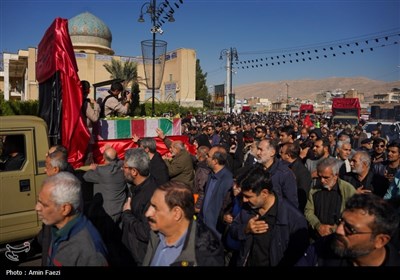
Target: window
12, 152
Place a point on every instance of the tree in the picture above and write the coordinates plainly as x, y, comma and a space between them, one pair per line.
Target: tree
126, 71
201, 86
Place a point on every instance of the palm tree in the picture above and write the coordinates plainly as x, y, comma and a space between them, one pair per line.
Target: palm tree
126, 71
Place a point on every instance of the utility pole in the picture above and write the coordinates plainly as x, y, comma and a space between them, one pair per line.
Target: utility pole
287, 97
229, 95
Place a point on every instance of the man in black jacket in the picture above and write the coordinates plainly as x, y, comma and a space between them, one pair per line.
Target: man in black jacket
176, 238
362, 238
290, 152
158, 168
135, 228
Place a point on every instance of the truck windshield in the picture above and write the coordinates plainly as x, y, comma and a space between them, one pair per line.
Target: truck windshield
350, 121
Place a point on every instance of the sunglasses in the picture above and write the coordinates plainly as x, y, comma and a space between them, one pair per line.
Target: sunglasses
348, 229
380, 146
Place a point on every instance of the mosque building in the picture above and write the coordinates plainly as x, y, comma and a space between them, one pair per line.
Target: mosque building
91, 39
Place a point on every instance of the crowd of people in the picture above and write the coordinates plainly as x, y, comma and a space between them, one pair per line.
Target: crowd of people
260, 191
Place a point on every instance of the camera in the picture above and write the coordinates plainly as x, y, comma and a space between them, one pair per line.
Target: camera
124, 94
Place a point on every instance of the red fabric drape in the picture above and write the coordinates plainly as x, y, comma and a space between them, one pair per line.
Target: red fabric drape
56, 53
120, 145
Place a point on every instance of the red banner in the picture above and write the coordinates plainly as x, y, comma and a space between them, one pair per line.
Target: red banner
56, 53
345, 103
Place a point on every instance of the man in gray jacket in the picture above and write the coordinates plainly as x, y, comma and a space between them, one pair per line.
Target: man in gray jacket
73, 241
328, 199
109, 183
105, 211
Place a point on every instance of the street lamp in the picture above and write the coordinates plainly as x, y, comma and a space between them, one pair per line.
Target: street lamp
158, 15
230, 54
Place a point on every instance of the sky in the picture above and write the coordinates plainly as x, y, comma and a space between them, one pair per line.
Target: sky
257, 30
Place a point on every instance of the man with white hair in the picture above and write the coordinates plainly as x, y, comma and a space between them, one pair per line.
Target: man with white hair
361, 176
327, 200
180, 167
283, 179
74, 240
108, 184
343, 151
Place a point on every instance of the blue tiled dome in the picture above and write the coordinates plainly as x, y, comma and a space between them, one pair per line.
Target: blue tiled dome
91, 33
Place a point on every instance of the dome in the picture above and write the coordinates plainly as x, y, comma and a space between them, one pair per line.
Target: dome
90, 34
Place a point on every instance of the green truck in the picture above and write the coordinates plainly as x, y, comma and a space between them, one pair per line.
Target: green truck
19, 187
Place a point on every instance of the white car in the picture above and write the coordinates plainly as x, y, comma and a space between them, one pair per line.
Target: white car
369, 126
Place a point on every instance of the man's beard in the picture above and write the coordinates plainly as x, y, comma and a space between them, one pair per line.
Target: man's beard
343, 251
356, 170
129, 179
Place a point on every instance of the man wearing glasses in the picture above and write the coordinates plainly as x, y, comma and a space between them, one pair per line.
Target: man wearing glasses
362, 238
379, 150
261, 132
213, 137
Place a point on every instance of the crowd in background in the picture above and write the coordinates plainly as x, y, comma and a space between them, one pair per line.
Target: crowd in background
262, 190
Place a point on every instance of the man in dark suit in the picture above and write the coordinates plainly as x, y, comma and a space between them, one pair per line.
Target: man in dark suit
158, 168
219, 182
290, 153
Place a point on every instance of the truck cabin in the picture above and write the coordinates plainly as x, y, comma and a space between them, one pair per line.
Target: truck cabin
306, 109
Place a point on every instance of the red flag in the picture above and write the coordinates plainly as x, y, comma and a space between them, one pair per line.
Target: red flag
56, 53
307, 121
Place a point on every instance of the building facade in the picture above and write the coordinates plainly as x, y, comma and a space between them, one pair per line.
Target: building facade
91, 40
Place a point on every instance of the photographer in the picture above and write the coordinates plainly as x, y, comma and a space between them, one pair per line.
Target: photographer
126, 97
112, 106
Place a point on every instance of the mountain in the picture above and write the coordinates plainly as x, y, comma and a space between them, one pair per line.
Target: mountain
308, 89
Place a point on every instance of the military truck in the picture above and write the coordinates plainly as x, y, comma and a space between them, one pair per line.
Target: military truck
20, 186
346, 111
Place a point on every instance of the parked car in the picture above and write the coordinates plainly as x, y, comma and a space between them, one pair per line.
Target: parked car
369, 126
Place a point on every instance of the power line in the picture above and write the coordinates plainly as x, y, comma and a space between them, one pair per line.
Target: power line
366, 44
349, 40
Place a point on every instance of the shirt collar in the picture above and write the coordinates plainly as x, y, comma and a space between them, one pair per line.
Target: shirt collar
64, 231
177, 244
